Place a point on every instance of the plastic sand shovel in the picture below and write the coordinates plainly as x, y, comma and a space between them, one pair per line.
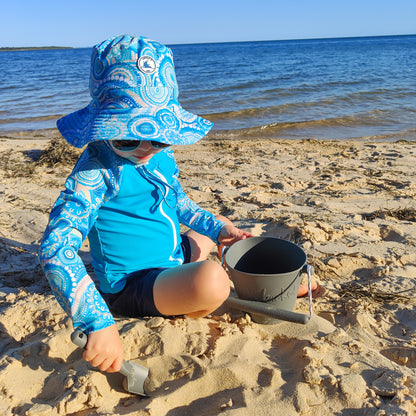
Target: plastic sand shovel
136, 374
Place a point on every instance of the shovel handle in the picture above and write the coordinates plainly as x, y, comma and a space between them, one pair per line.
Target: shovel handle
264, 309
79, 338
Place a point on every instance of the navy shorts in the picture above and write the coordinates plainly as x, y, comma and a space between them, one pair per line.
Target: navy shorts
136, 298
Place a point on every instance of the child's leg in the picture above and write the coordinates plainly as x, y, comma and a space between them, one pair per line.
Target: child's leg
194, 289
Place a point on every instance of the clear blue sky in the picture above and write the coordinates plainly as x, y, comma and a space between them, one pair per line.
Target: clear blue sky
83, 23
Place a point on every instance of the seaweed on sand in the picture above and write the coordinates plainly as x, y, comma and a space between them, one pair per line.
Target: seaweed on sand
353, 291
405, 214
58, 152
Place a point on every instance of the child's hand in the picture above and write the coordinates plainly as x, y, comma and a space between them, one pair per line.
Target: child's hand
230, 235
104, 349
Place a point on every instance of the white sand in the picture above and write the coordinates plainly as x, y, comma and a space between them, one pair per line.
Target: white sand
357, 355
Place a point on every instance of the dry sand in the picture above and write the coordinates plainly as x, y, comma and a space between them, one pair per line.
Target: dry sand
349, 204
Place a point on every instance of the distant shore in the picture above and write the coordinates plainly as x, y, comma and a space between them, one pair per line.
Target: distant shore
32, 48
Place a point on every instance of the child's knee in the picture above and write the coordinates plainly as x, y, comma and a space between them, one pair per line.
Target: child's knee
213, 283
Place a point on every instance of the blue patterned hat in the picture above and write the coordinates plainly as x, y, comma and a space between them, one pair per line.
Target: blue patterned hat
134, 97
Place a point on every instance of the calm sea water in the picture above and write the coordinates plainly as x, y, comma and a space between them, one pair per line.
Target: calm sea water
322, 88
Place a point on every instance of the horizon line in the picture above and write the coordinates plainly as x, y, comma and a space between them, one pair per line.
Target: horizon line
217, 42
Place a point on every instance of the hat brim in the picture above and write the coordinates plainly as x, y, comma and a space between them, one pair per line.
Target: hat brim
170, 125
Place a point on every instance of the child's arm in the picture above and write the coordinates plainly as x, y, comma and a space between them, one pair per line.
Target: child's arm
195, 217
202, 221
72, 286
205, 223
70, 221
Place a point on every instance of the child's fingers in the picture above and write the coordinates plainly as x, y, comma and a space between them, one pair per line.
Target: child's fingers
230, 235
105, 365
89, 355
94, 360
104, 362
116, 365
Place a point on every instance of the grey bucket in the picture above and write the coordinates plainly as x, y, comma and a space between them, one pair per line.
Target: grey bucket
269, 270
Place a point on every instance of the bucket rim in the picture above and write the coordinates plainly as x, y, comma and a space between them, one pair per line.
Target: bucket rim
272, 274
267, 274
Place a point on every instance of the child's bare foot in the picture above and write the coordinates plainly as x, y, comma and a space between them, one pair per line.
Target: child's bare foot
317, 290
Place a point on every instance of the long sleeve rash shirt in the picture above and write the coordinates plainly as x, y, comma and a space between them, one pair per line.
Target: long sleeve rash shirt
131, 214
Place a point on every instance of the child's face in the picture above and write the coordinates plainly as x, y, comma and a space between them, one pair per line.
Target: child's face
137, 151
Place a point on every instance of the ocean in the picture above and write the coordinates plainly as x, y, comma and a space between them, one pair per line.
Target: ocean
316, 88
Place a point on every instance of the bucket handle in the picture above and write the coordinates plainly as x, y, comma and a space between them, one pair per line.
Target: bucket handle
310, 271
222, 250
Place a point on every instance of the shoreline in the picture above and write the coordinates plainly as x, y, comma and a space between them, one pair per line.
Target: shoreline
351, 206
233, 135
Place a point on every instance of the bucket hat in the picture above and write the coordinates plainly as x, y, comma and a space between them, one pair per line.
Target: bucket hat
134, 97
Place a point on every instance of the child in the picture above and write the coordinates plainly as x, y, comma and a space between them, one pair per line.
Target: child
124, 194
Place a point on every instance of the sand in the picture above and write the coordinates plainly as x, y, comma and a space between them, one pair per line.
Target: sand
349, 204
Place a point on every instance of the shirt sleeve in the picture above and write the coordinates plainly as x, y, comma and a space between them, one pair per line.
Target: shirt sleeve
71, 218
193, 216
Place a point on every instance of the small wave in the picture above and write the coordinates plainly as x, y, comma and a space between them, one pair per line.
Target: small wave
245, 118
329, 128
29, 119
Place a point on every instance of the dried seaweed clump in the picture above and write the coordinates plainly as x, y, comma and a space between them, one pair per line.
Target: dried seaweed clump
405, 214
58, 152
357, 292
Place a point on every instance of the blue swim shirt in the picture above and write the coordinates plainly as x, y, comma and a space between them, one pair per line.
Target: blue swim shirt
131, 214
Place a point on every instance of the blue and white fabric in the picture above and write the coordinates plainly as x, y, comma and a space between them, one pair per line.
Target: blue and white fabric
134, 96
131, 213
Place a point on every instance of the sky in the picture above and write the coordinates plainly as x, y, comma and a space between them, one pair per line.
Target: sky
83, 23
